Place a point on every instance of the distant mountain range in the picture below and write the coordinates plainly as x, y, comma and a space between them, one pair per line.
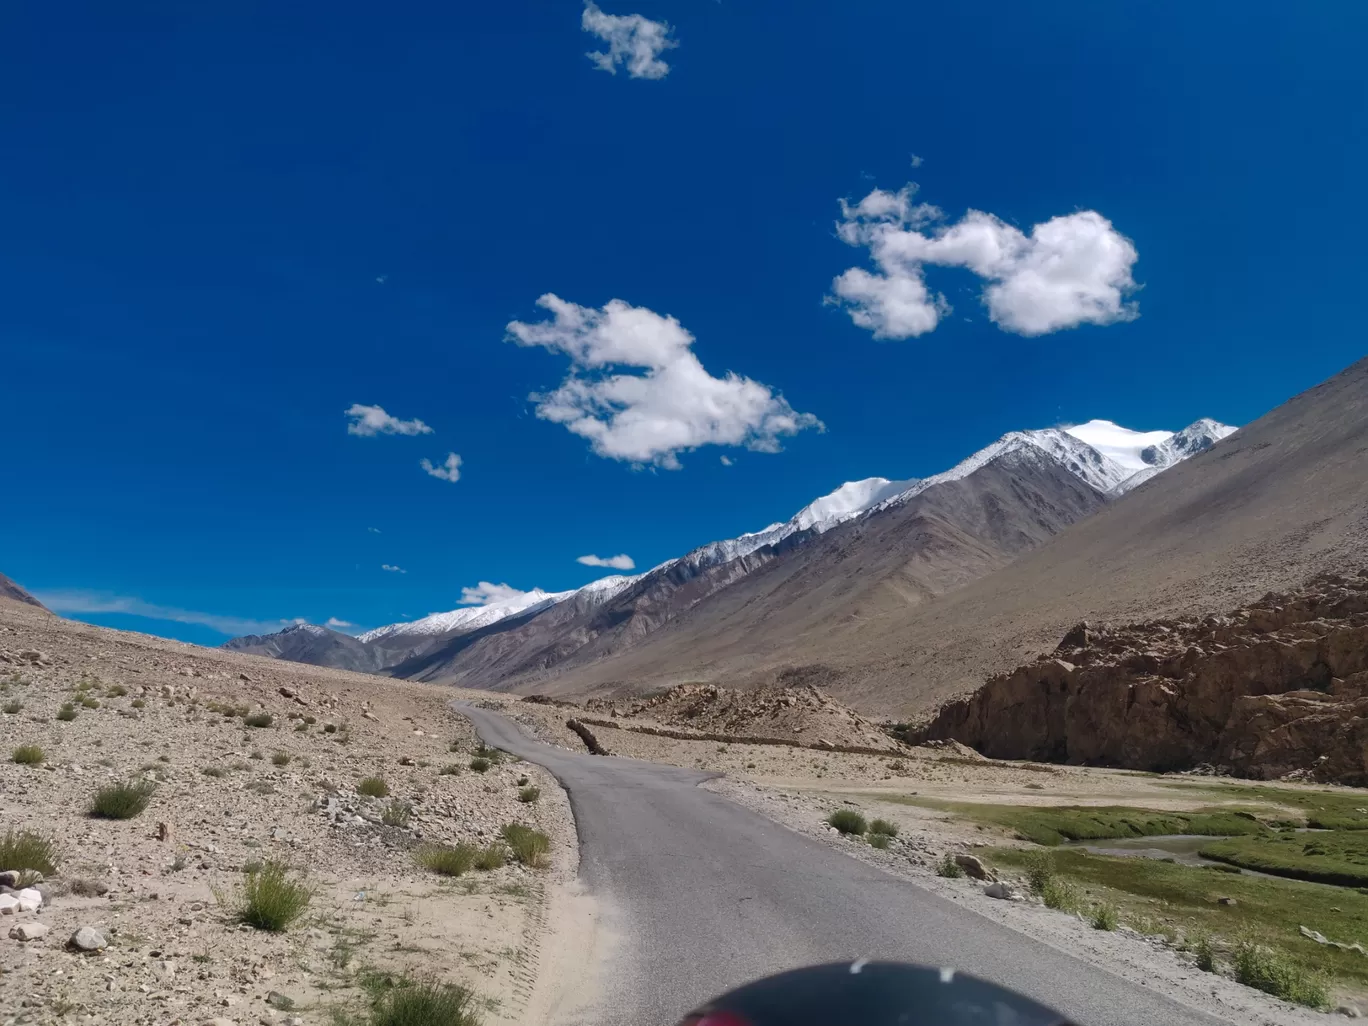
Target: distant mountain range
916, 538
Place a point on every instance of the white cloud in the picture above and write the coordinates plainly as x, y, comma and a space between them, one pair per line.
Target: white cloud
727, 461
373, 530
393, 569
622, 562
633, 41
485, 593
1070, 270
335, 623
369, 421
674, 406
916, 161
95, 602
448, 470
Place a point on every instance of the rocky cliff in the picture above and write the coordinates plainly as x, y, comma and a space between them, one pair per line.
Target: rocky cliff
1277, 688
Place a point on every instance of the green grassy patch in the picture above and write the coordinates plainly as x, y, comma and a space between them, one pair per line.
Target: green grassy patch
25, 849
1051, 825
1344, 809
123, 800
847, 821
1337, 857
1174, 900
269, 899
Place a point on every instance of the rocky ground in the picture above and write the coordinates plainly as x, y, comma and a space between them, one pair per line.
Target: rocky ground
152, 896
1276, 689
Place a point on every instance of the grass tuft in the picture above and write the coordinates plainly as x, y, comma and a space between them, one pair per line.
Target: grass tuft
847, 821
14, 706
1104, 916
1206, 954
123, 800
448, 859
530, 847
406, 1002
280, 759
213, 771
27, 755
1276, 974
528, 795
492, 857
373, 787
397, 813
67, 712
451, 770
270, 900
949, 868
25, 849
479, 764
261, 719
883, 826
880, 841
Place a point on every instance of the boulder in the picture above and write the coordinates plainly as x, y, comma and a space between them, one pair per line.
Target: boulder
28, 931
30, 900
999, 890
9, 904
972, 867
9, 878
87, 938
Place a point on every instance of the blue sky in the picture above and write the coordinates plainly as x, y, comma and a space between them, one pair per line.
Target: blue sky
222, 228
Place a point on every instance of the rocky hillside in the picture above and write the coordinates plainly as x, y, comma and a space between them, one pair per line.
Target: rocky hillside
802, 714
10, 590
309, 643
1277, 688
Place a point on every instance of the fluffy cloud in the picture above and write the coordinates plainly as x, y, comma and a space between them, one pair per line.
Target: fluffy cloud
485, 593
633, 41
373, 530
448, 470
335, 623
673, 406
1070, 270
622, 562
392, 568
727, 461
369, 421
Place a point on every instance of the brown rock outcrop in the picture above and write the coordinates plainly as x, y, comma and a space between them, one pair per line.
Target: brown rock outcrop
1277, 688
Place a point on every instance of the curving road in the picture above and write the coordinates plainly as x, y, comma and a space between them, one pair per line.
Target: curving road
703, 894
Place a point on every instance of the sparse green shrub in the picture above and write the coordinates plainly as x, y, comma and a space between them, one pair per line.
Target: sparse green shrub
847, 821
1061, 894
880, 841
261, 719
373, 787
494, 755
213, 771
479, 765
1206, 954
14, 706
163, 758
115, 691
90, 703
310, 720
522, 781
949, 868
269, 899
451, 770
330, 728
122, 801
529, 794
530, 847
448, 859
883, 826
27, 755
406, 1002
1104, 916
397, 813
25, 849
301, 728
1276, 974
1040, 870
138, 703
492, 857
67, 712
256, 755
280, 759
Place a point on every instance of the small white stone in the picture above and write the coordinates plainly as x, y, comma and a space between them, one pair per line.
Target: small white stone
9, 904
28, 931
30, 900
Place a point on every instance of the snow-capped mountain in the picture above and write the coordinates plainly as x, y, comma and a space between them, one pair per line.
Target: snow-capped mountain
1106, 457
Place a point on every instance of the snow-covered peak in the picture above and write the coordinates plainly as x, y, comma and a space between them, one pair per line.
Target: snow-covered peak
1119, 444
469, 618
851, 499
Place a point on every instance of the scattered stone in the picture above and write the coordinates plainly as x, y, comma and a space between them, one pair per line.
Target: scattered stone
28, 931
999, 890
9, 904
1348, 1011
219, 1022
9, 878
87, 938
972, 867
29, 900
1226, 901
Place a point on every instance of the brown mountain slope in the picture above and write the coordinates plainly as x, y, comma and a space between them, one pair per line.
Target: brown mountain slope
1281, 499
749, 613
10, 590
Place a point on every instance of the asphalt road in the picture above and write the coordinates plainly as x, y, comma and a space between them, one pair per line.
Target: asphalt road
703, 895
